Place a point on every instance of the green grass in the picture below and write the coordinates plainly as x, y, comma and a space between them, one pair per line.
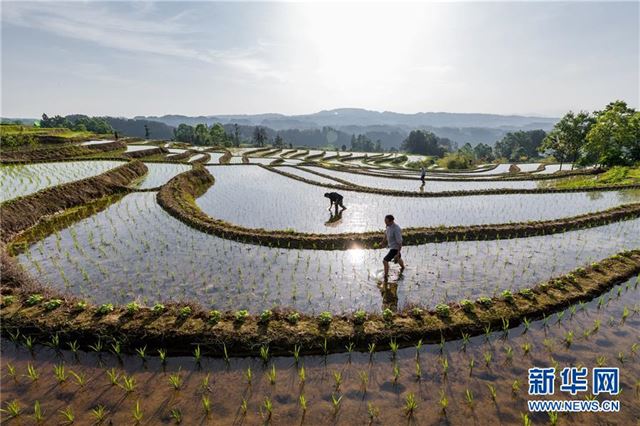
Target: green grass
618, 175
14, 129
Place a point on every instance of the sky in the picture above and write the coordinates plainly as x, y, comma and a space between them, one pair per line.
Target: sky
207, 58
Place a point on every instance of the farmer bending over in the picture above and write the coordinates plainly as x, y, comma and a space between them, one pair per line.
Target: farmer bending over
392, 238
336, 199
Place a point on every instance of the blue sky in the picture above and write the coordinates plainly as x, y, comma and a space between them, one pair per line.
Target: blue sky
153, 58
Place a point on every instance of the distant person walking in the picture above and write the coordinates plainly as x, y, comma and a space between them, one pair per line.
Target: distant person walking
392, 238
336, 199
115, 135
423, 173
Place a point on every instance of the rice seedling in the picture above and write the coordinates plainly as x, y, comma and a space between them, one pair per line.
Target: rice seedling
303, 403
302, 375
206, 405
248, 375
596, 325
264, 354
158, 308
472, 363
418, 370
38, 413
492, 391
621, 357
336, 402
162, 354
488, 356
296, 353
99, 414
74, 347
526, 347
28, 343
443, 310
243, 407
175, 380
410, 404
54, 343
105, 309
445, 366
81, 378
444, 403
116, 348
526, 421
396, 373
371, 349
67, 415
468, 396
553, 418
625, 314
12, 408
184, 312
32, 373
197, 354
268, 409
59, 373
128, 383
393, 345
337, 380
137, 414
568, 338
272, 374
465, 341
508, 352
97, 347
176, 415
359, 316
225, 353
112, 375
142, 353
527, 324
11, 371
515, 387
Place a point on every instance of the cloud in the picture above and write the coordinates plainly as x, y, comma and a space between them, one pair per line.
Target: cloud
138, 29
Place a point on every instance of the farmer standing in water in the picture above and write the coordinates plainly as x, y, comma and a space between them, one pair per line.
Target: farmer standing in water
393, 238
423, 173
336, 199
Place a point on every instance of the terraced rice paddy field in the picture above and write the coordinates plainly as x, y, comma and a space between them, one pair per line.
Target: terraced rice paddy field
229, 294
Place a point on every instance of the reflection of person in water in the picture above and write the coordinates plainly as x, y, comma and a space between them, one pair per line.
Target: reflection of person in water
389, 292
334, 217
336, 199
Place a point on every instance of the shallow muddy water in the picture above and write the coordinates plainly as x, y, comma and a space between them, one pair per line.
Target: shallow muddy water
134, 250
17, 180
257, 198
378, 383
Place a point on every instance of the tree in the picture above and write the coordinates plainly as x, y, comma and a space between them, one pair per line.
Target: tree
483, 152
259, 136
183, 133
236, 134
278, 142
217, 135
516, 146
614, 138
568, 136
147, 133
344, 147
201, 135
422, 142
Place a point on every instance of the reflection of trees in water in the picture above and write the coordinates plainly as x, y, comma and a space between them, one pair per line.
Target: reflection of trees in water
596, 195
630, 195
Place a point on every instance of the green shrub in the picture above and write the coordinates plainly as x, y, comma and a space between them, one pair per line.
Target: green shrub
8, 300
158, 308
527, 293
387, 315
293, 317
52, 304
132, 308
507, 296
467, 305
34, 299
184, 312
265, 316
241, 316
105, 308
214, 316
325, 318
359, 317
485, 301
80, 306
417, 313
443, 310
